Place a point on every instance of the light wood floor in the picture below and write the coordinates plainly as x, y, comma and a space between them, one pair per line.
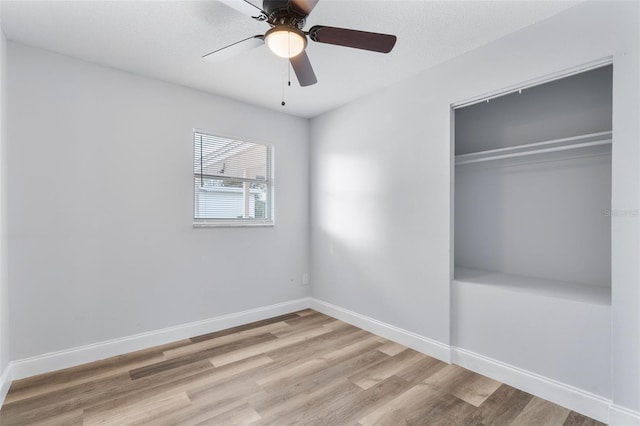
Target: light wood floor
303, 368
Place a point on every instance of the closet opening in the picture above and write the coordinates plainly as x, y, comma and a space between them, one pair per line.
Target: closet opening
533, 188
532, 229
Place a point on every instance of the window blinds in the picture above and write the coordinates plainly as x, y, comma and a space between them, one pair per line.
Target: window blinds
231, 180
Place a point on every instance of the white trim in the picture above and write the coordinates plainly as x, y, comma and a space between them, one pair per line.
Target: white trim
407, 338
231, 223
562, 394
621, 416
88, 353
5, 382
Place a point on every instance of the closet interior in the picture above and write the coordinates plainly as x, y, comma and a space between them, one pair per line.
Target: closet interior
532, 229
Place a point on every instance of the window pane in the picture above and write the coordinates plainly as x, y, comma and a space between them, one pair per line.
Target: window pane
230, 199
225, 157
232, 179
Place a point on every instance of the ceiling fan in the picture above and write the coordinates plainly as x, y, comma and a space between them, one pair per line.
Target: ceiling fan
287, 39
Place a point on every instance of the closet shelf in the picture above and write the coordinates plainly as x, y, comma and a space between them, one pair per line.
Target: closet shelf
594, 142
576, 292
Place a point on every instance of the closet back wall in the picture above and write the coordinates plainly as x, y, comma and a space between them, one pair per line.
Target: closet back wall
101, 240
575, 105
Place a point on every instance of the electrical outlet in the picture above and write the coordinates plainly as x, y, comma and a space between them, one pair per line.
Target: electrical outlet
305, 279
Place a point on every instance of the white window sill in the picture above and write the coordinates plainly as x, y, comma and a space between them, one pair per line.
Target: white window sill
232, 224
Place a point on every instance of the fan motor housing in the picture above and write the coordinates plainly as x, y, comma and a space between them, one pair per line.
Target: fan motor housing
273, 5
280, 12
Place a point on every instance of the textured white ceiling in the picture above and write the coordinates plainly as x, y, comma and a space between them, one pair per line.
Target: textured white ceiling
166, 39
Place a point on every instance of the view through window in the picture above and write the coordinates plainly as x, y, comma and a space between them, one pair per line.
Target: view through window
231, 180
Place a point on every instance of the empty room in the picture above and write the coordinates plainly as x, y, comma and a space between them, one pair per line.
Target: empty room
319, 212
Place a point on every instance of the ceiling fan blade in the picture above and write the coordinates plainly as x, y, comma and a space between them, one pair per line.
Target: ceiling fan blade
303, 6
246, 8
235, 49
302, 68
375, 42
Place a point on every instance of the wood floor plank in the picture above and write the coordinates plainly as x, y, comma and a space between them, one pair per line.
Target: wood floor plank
215, 395
271, 344
424, 368
325, 365
448, 379
476, 390
296, 408
327, 322
336, 371
443, 410
392, 348
347, 409
50, 382
292, 373
141, 412
202, 409
178, 380
240, 328
49, 405
271, 328
501, 408
331, 348
396, 410
300, 368
319, 345
240, 416
575, 419
68, 418
199, 412
411, 402
394, 364
157, 386
539, 412
244, 346
309, 320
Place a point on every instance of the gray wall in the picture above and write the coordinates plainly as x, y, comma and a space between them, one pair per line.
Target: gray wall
572, 106
101, 242
4, 265
381, 180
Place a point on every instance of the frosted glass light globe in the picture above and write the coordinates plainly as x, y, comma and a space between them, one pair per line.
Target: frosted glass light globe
285, 42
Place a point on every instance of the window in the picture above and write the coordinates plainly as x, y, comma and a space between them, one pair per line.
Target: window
232, 182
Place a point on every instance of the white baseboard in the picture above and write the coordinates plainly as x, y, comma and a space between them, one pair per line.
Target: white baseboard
5, 382
620, 416
562, 394
404, 337
101, 350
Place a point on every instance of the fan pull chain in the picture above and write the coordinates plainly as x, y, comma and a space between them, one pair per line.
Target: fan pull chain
283, 102
288, 75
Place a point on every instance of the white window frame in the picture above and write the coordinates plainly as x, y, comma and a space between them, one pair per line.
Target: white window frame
226, 222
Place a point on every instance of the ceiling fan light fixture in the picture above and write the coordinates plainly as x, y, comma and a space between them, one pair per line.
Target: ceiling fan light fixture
285, 41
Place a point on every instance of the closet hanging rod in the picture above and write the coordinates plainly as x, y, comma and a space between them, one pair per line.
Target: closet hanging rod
576, 142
